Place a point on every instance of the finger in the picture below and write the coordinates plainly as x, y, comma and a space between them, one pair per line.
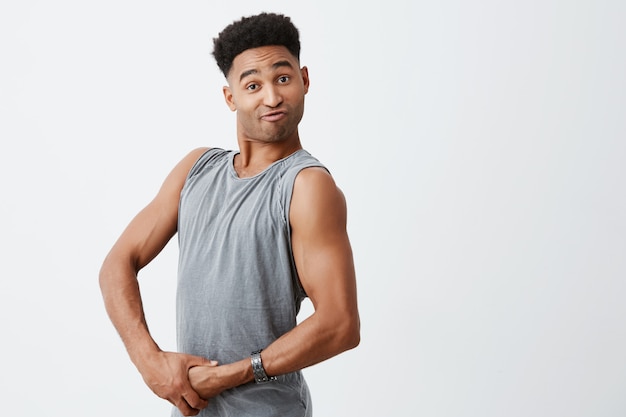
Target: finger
208, 362
185, 409
201, 361
194, 401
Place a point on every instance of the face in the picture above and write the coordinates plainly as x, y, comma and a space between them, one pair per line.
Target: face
266, 88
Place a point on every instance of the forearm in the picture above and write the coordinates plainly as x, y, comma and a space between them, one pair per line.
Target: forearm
166, 373
312, 341
122, 299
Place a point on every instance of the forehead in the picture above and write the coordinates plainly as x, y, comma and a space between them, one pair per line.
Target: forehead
260, 59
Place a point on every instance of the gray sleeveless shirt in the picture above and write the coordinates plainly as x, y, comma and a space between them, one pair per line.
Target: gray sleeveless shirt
238, 289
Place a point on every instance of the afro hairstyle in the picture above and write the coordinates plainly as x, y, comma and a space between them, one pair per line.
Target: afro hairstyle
265, 29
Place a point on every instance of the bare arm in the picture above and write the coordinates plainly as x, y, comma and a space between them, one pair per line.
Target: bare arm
324, 262
143, 239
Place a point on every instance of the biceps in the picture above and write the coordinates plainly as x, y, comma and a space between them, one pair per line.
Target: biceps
326, 271
320, 241
146, 235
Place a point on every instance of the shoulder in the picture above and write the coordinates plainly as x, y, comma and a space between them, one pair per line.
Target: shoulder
183, 167
178, 175
194, 155
316, 194
314, 176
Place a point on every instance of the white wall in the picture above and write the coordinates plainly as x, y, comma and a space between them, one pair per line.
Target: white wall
481, 147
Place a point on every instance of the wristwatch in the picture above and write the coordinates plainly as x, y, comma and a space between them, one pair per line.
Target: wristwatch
260, 376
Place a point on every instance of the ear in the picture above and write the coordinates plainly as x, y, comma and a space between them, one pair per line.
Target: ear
228, 97
304, 72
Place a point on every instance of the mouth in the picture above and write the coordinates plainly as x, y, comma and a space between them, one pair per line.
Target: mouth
273, 116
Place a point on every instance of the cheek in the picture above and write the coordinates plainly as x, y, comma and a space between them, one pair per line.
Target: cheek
244, 109
245, 113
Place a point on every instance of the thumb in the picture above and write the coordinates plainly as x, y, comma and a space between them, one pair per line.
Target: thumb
209, 362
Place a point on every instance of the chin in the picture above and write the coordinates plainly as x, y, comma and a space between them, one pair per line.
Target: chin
276, 137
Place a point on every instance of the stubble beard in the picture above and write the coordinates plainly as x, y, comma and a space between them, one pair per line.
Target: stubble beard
275, 132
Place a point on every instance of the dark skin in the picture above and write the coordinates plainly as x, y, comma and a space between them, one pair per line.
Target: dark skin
146, 235
266, 87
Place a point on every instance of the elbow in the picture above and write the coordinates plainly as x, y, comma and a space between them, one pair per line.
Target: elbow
103, 275
351, 333
337, 331
115, 274
355, 335
107, 273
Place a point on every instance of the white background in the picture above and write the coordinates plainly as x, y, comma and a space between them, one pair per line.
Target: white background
481, 147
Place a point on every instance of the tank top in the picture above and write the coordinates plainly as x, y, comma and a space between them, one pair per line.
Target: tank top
238, 289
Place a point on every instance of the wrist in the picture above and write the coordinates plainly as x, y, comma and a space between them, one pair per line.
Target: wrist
145, 355
258, 370
234, 374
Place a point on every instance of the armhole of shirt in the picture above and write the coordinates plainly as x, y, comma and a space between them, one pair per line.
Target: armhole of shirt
289, 181
208, 156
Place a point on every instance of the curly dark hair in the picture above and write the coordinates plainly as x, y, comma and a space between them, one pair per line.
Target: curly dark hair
264, 29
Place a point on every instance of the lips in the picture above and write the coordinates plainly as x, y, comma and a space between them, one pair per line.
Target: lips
273, 116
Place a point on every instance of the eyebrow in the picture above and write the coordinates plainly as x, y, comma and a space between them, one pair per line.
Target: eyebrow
274, 66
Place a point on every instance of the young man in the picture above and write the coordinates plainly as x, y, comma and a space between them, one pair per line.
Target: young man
259, 229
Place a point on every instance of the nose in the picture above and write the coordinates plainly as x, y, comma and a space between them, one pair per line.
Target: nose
272, 97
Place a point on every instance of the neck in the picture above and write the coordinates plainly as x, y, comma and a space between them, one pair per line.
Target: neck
254, 157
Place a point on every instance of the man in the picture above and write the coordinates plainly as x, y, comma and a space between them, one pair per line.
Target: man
258, 229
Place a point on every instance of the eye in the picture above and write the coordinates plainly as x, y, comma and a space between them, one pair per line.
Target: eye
283, 79
252, 87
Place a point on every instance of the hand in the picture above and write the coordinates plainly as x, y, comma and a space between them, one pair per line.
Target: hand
166, 375
205, 381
